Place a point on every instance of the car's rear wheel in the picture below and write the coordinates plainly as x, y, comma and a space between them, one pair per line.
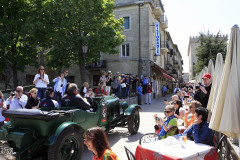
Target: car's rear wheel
69, 146
133, 121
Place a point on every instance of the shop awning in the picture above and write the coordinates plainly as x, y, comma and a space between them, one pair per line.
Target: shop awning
163, 72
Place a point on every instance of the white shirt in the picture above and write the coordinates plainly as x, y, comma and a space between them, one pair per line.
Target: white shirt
17, 103
40, 83
1, 116
59, 88
56, 104
85, 91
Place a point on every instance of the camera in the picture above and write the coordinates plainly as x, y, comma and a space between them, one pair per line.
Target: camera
40, 78
13, 93
157, 119
61, 85
186, 96
197, 87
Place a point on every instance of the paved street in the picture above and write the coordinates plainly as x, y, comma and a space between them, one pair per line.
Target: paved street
119, 137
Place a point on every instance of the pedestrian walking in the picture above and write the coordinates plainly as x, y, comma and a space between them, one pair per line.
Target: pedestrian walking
148, 95
164, 90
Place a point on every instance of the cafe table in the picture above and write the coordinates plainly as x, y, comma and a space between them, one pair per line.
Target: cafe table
189, 150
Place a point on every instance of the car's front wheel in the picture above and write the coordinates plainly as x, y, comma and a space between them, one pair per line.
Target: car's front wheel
69, 146
133, 121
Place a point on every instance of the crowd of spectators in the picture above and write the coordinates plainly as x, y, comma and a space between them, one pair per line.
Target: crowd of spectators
187, 111
120, 85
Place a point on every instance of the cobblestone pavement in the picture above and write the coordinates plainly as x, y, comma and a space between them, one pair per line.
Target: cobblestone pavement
119, 137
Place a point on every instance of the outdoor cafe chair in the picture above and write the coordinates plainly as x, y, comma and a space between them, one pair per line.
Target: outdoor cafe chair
130, 155
150, 137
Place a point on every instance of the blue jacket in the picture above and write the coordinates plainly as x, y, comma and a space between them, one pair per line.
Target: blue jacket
139, 89
164, 88
58, 80
201, 133
47, 102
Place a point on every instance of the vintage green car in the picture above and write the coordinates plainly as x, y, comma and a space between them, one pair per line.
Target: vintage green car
56, 134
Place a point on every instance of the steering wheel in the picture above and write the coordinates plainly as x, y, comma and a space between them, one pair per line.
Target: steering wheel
90, 100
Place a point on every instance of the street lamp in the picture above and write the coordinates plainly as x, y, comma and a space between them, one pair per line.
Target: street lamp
84, 49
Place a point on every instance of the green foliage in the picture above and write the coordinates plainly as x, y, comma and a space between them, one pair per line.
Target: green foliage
59, 26
75, 23
210, 46
17, 45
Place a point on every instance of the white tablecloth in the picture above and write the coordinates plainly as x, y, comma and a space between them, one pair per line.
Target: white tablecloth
187, 151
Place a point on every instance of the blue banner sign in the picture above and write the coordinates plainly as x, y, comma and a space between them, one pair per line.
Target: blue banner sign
157, 35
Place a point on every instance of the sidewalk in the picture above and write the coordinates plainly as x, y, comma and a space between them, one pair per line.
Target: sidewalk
133, 100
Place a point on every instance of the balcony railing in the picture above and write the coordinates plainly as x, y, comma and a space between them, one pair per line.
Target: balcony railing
164, 44
175, 62
99, 64
164, 19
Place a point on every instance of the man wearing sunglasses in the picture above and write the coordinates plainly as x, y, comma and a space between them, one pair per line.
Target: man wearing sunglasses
17, 99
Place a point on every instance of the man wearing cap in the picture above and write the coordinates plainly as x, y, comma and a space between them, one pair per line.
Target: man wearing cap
206, 89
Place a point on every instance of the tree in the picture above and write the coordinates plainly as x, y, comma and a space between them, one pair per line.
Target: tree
210, 46
85, 22
19, 36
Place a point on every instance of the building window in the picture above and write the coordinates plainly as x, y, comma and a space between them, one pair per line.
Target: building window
125, 50
96, 79
126, 23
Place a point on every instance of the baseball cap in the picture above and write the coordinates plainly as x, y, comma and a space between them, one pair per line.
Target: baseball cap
207, 75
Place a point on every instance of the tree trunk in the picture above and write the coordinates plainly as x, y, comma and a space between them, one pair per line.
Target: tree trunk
8, 75
14, 66
15, 75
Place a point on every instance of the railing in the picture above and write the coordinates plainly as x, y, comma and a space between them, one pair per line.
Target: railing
99, 64
156, 4
225, 147
164, 19
164, 44
175, 62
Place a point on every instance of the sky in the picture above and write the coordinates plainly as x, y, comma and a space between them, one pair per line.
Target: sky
189, 17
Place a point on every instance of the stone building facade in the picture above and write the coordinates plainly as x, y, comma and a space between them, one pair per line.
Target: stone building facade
137, 54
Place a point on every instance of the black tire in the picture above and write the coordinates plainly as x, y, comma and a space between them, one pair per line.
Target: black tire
133, 121
69, 146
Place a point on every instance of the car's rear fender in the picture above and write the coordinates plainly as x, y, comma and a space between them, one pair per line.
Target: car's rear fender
52, 139
130, 108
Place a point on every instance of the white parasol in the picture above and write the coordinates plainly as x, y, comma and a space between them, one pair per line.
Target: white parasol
210, 68
226, 111
216, 77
